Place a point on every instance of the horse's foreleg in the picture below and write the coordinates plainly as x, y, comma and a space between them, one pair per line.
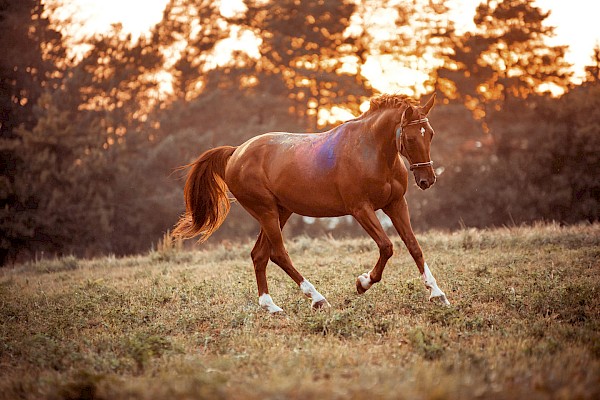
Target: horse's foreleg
368, 220
398, 213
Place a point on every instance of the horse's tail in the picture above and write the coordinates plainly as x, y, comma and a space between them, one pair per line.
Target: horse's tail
205, 192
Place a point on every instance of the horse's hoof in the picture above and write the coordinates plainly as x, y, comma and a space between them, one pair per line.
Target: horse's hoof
441, 297
266, 302
363, 283
321, 305
274, 311
359, 287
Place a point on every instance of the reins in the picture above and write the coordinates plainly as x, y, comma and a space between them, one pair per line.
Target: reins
398, 140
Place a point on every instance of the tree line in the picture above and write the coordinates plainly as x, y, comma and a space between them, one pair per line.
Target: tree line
89, 145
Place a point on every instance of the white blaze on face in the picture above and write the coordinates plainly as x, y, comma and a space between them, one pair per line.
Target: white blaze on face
266, 302
309, 290
431, 284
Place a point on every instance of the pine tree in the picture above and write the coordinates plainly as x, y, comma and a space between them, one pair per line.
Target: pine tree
31, 60
65, 188
190, 30
592, 71
303, 44
505, 57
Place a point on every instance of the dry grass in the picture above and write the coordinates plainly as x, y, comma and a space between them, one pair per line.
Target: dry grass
178, 325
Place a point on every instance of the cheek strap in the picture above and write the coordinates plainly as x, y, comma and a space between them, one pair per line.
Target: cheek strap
399, 139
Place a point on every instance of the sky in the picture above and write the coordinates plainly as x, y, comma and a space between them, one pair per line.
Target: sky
576, 21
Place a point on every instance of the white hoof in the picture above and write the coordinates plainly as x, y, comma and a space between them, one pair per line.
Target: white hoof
266, 302
430, 283
321, 305
318, 300
363, 283
439, 295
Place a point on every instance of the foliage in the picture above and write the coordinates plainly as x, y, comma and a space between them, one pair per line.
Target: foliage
544, 165
64, 186
506, 57
90, 145
306, 47
524, 322
592, 71
196, 27
32, 58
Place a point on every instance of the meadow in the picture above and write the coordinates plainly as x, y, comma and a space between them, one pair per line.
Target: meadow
175, 324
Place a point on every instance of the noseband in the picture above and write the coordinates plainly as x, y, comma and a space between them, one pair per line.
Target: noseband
398, 136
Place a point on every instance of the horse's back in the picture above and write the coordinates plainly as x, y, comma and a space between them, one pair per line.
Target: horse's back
297, 170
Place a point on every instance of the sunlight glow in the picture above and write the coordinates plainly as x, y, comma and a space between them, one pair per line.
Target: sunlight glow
230, 8
388, 76
92, 16
574, 21
138, 16
337, 114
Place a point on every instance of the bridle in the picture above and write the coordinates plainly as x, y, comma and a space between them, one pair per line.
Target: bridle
398, 140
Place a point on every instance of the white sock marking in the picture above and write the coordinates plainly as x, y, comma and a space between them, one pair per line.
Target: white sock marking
431, 284
365, 280
309, 290
266, 302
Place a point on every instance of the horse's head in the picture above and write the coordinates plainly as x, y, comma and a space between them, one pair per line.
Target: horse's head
413, 141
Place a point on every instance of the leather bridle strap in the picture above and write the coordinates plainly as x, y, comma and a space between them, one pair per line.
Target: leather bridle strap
398, 140
418, 121
421, 165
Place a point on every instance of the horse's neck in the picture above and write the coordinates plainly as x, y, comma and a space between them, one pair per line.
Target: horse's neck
380, 130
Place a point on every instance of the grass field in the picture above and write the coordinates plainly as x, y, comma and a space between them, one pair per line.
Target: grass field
524, 323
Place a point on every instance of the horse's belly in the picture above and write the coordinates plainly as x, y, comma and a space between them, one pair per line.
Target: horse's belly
311, 201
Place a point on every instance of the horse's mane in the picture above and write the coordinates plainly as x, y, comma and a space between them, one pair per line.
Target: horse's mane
386, 101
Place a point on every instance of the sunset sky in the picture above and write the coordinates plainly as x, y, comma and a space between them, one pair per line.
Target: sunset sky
575, 20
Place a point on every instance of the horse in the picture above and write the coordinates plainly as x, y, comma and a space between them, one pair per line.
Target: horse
353, 169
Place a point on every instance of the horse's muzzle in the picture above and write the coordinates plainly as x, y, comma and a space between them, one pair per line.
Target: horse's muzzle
425, 182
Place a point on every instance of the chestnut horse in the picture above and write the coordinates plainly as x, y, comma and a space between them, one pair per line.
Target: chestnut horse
353, 169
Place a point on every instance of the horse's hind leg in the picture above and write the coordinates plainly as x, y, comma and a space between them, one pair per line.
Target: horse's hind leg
260, 257
398, 213
270, 243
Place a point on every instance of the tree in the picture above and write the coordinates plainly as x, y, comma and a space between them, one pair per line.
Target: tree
592, 71
505, 57
65, 189
78, 155
31, 60
417, 39
304, 45
195, 28
544, 167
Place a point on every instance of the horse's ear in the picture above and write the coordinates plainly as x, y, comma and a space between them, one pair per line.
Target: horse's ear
407, 115
427, 107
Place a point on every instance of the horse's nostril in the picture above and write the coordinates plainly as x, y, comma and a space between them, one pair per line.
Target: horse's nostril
423, 183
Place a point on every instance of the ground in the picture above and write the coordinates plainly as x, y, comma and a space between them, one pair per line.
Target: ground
524, 322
